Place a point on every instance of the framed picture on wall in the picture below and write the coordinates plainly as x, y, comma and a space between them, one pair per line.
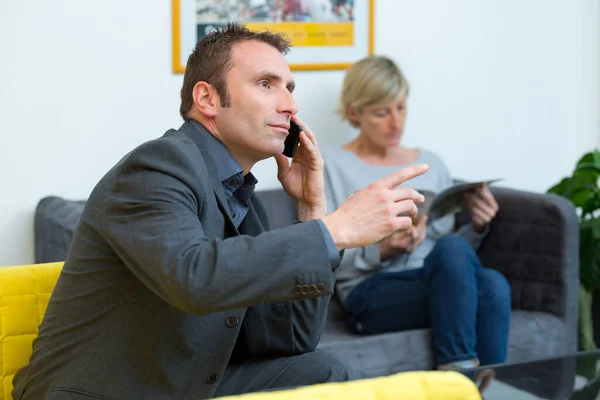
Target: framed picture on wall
325, 34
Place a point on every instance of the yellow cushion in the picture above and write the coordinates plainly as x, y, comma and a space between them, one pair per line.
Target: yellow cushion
422, 385
24, 294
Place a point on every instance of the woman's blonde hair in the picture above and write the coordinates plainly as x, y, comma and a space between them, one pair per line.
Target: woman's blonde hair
371, 81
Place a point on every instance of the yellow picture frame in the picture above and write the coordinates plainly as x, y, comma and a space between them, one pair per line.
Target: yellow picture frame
177, 36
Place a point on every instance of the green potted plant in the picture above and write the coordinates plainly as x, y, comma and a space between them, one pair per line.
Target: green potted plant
583, 190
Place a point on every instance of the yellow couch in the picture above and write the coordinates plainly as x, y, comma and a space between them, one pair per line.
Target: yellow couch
24, 294
418, 385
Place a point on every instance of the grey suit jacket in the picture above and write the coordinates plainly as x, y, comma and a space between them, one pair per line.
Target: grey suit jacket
150, 301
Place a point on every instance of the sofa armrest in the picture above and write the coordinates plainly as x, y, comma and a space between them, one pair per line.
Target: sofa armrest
534, 242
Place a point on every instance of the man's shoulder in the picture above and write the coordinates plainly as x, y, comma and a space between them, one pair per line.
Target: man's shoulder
172, 140
174, 147
174, 154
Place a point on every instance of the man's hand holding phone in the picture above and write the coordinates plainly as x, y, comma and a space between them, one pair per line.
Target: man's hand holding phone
292, 140
302, 179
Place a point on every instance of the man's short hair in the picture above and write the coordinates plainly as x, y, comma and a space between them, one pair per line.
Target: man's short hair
211, 60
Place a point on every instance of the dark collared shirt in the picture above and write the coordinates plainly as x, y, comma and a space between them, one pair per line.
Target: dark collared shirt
238, 189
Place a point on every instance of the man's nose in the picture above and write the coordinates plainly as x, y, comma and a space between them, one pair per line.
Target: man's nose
287, 104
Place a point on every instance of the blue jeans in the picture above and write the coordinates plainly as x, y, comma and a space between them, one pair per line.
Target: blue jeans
466, 306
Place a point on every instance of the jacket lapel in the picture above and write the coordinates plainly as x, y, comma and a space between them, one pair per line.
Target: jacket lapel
251, 225
230, 229
192, 132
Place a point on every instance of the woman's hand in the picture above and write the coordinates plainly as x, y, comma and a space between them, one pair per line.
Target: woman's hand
482, 207
404, 241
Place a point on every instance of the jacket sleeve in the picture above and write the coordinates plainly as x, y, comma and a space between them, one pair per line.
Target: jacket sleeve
152, 221
285, 328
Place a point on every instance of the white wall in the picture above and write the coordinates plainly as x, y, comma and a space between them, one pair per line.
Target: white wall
505, 88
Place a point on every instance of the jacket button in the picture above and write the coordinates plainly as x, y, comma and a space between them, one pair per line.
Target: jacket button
304, 290
212, 379
232, 322
320, 288
312, 289
298, 290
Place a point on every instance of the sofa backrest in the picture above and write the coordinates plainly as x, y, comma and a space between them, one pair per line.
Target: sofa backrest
56, 219
54, 226
280, 208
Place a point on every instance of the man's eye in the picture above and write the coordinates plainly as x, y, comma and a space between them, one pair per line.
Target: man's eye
264, 84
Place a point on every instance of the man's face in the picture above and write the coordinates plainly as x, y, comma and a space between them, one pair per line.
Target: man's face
259, 86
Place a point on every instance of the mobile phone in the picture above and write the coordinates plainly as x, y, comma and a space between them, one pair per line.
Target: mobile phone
292, 140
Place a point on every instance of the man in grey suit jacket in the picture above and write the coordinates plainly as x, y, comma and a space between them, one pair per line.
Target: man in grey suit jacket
174, 287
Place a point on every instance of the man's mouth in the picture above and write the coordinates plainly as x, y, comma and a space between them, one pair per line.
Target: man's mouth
284, 128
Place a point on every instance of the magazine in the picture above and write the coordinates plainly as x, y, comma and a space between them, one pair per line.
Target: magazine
446, 202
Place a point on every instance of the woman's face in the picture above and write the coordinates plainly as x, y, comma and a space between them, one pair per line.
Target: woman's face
384, 124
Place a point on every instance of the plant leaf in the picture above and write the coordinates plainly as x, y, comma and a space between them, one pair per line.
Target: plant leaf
586, 327
592, 205
594, 225
591, 157
589, 166
561, 187
589, 254
596, 156
582, 197
585, 176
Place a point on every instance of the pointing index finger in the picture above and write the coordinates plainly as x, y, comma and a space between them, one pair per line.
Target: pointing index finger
403, 175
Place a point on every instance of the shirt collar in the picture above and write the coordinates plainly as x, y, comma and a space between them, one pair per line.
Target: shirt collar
227, 166
244, 192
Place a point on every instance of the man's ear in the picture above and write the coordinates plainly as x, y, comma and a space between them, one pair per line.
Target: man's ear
206, 99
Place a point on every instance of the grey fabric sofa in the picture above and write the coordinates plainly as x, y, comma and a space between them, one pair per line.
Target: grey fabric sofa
533, 241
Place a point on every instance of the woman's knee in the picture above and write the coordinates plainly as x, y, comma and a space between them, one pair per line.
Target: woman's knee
494, 289
452, 244
453, 253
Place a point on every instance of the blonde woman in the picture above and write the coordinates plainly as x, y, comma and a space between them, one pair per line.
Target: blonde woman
427, 277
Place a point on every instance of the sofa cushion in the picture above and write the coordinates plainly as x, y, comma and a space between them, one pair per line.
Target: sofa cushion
432, 385
532, 335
